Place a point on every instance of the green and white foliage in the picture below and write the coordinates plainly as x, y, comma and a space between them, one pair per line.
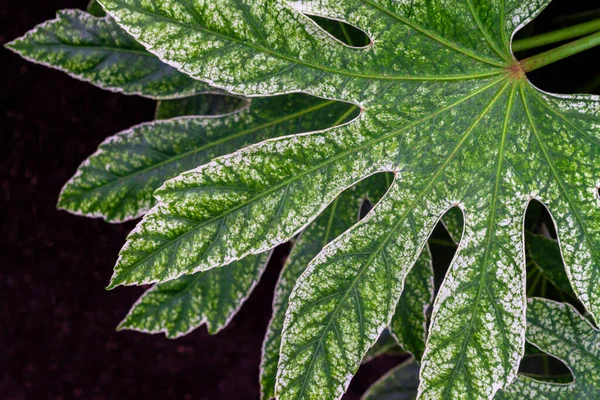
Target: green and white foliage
337, 218
446, 107
98, 51
211, 297
558, 329
117, 182
400, 383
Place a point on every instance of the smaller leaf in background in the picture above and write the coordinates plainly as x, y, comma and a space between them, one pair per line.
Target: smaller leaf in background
99, 51
342, 31
339, 216
410, 323
546, 264
95, 9
453, 221
543, 367
386, 344
400, 383
117, 181
213, 297
558, 329
208, 104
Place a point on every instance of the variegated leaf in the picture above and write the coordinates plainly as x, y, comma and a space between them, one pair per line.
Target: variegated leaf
558, 329
117, 182
212, 297
98, 51
339, 216
446, 107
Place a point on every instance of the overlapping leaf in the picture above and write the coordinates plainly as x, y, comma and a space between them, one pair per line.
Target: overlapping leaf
446, 108
117, 181
558, 329
339, 216
98, 51
211, 297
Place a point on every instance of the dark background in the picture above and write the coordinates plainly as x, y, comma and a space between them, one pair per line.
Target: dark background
57, 323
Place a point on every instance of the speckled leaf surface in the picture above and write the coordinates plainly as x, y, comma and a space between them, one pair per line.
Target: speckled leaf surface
410, 323
400, 383
558, 329
337, 218
98, 51
213, 297
117, 182
445, 106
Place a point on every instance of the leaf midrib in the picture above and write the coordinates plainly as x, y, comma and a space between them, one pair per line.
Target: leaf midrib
468, 332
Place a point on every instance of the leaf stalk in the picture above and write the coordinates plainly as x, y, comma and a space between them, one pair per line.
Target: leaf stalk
561, 52
557, 36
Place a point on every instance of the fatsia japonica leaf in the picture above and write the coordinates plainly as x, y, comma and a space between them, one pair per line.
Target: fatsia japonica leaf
400, 383
117, 181
558, 329
337, 218
211, 297
446, 107
98, 51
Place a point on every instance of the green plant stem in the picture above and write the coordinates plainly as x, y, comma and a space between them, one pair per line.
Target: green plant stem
561, 52
560, 35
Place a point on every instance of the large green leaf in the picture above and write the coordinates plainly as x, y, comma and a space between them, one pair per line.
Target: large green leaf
211, 297
557, 328
447, 108
117, 182
339, 216
98, 51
